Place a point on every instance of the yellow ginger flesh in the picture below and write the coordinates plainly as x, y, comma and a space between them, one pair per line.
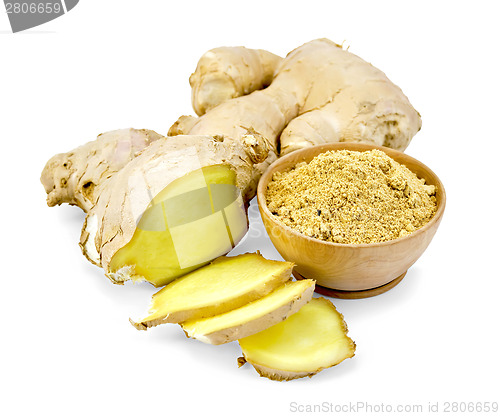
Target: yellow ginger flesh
196, 218
307, 342
225, 284
254, 316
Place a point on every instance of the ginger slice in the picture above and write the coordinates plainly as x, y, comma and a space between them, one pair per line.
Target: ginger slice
254, 317
309, 341
225, 284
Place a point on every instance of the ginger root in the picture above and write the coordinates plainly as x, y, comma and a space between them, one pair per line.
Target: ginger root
366, 107
131, 194
76, 177
194, 219
230, 72
318, 93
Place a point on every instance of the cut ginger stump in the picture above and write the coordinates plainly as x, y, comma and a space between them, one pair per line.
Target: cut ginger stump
195, 219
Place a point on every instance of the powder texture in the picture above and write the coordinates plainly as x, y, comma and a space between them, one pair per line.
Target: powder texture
351, 197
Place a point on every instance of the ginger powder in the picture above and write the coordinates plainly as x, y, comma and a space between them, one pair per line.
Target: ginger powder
351, 197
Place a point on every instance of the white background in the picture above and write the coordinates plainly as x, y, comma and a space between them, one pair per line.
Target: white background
67, 347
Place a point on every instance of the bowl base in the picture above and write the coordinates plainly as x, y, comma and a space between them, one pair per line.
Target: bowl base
353, 294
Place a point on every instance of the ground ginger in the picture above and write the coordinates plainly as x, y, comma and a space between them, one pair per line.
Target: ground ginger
351, 197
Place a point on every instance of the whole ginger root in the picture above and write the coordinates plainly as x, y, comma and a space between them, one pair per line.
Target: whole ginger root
319, 93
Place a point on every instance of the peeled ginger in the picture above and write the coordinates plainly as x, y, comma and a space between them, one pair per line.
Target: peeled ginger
225, 284
254, 317
307, 342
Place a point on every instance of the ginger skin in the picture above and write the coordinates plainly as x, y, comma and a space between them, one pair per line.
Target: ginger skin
76, 177
230, 72
320, 93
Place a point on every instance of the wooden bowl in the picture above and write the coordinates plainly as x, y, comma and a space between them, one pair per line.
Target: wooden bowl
349, 270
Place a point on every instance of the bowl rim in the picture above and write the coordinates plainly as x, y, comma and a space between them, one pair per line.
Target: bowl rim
266, 178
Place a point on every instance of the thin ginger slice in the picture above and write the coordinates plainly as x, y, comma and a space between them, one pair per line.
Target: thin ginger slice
253, 317
225, 284
307, 342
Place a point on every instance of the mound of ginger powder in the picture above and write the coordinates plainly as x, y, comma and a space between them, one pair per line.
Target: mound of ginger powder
351, 197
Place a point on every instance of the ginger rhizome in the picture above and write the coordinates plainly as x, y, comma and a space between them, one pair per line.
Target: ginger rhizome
193, 188
76, 177
252, 104
203, 207
320, 93
230, 72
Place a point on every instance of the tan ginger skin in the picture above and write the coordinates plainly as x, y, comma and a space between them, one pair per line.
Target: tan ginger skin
76, 177
320, 94
230, 72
